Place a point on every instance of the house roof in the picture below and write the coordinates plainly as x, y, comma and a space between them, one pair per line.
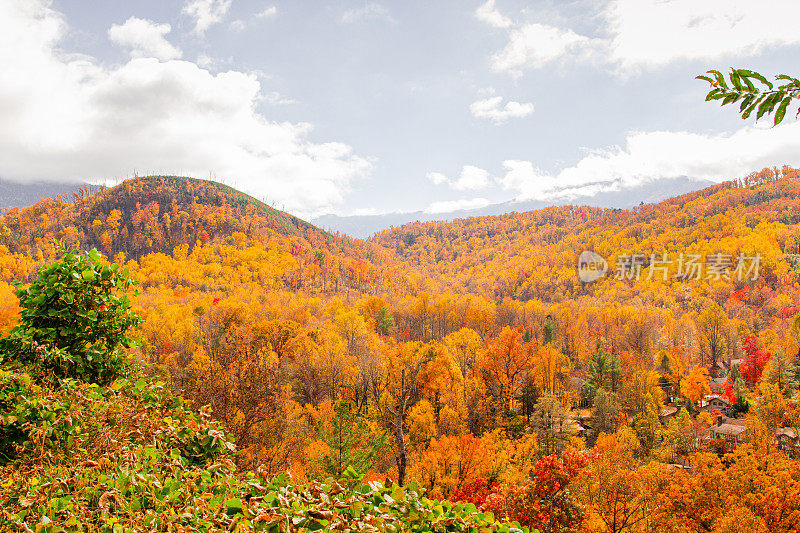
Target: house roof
668, 411
733, 430
711, 397
736, 422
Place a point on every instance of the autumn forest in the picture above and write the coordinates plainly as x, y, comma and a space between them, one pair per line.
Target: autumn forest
467, 360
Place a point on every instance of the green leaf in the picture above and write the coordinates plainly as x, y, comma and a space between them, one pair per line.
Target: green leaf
759, 77
752, 106
730, 98
766, 105
315, 525
234, 505
779, 114
719, 77
794, 81
746, 80
737, 83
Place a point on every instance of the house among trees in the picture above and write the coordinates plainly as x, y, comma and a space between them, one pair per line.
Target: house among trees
730, 430
667, 389
714, 402
787, 439
667, 413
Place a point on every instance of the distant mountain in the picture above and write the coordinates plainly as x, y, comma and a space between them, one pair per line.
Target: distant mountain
15, 194
362, 226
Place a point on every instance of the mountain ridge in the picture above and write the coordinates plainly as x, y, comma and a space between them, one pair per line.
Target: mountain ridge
150, 214
366, 226
17, 194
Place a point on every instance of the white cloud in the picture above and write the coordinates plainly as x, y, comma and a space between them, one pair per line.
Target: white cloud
655, 155
490, 108
651, 33
204, 61
145, 38
267, 12
68, 117
471, 179
491, 16
206, 13
527, 180
237, 25
370, 11
535, 45
448, 206
437, 178
276, 98
655, 32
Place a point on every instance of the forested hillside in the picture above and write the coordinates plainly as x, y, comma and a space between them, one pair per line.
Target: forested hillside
466, 357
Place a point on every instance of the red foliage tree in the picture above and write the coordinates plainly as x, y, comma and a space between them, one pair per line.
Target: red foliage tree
756, 359
474, 491
545, 501
728, 393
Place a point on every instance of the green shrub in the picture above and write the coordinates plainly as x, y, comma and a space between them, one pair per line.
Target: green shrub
74, 320
353, 448
132, 457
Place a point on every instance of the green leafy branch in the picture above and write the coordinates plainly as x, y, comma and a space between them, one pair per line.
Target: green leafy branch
765, 99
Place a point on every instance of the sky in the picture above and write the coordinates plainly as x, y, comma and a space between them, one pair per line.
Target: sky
361, 107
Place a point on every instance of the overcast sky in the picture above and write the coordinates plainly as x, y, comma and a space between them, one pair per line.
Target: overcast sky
369, 107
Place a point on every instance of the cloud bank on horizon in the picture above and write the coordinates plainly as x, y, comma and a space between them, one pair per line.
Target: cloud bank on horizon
75, 115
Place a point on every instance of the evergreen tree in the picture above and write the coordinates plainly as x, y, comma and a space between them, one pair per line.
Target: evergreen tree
740, 390
549, 329
353, 448
528, 335
604, 372
663, 365
384, 322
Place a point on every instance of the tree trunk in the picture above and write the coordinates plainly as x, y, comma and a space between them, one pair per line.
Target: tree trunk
401, 456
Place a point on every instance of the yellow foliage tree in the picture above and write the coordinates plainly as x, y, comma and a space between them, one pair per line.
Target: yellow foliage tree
696, 385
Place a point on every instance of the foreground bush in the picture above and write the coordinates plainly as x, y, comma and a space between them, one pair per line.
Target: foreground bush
74, 320
132, 457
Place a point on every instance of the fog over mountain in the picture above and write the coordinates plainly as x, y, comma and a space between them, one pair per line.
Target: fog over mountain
362, 226
14, 194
